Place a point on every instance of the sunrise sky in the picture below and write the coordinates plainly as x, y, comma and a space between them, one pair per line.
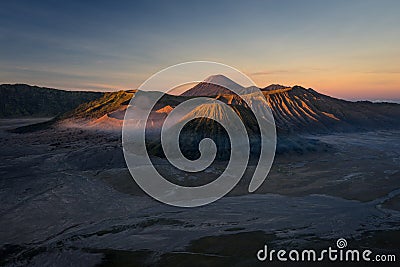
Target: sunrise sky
347, 49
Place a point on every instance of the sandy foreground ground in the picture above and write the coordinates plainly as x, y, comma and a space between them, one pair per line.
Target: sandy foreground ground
67, 199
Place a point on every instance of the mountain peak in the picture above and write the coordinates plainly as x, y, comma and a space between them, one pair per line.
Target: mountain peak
214, 85
223, 81
272, 87
217, 77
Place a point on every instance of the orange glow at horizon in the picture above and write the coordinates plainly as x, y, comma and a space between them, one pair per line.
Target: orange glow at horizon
362, 86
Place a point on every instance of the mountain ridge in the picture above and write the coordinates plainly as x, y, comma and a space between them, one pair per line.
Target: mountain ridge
295, 109
22, 100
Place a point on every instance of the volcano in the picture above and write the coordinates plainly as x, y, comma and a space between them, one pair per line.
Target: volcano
296, 110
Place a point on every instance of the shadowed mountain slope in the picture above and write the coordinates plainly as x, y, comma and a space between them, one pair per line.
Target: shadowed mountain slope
110, 102
21, 100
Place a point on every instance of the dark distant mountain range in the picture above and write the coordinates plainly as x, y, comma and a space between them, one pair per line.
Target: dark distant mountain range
22, 100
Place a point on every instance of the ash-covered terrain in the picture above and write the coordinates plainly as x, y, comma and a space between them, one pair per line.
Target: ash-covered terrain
67, 196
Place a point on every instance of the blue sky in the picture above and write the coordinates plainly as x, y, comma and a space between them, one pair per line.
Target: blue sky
348, 49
